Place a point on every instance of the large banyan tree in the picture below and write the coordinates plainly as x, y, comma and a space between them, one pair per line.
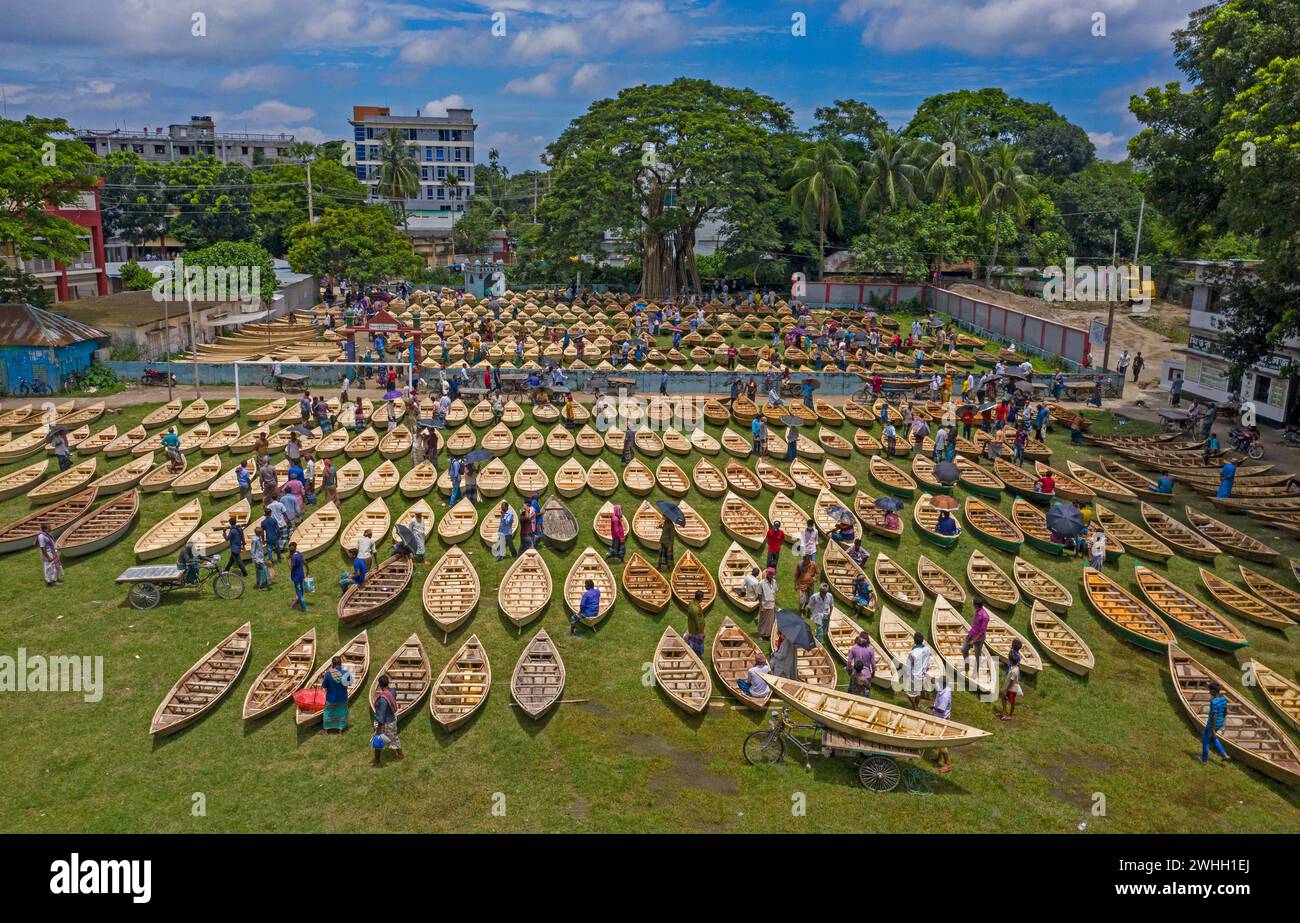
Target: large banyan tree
651, 164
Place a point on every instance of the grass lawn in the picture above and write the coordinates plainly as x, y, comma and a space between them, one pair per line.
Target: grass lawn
623, 759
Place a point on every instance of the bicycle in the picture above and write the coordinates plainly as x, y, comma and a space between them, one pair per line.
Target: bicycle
24, 387
148, 582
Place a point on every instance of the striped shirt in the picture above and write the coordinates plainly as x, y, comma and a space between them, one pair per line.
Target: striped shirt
1218, 711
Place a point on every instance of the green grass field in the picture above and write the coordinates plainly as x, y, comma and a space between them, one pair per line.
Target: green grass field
623, 758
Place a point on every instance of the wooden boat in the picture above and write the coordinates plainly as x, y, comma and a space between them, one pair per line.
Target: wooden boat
601, 478
826, 508
1033, 525
1255, 505
869, 445
560, 442
268, 411
409, 676
689, 576
193, 412
161, 416
458, 523
332, 445
1061, 642
530, 479
383, 481
842, 632
834, 443
374, 517
614, 441
363, 445
1041, 586
384, 586
923, 472
991, 582
282, 677
735, 566
204, 684
948, 630
349, 477
493, 479
512, 414
805, 448
589, 442
529, 443
560, 524
938, 582
1187, 614
773, 478
735, 444
1247, 733
644, 585
647, 442
1247, 605
22, 446
784, 511
926, 519
571, 478
601, 522
1020, 483
221, 440
538, 678
463, 685
396, 444
208, 538
891, 478
315, 533
743, 522
858, 414
896, 638
1067, 486
525, 590
1135, 540
992, 526
680, 673
1279, 597
64, 484
100, 527
671, 478
841, 572
167, 536
838, 477
872, 518
590, 565
897, 584
1183, 539
247, 442
815, 666
1142, 487
1100, 484
20, 481
977, 480
705, 444
162, 476
1283, 694
481, 414
227, 485
457, 413
742, 480
715, 413
637, 478
198, 477
97, 441
1116, 605
733, 653
1232, 541
806, 478
676, 442
451, 591
355, 655
647, 525
75, 438
1286, 522
419, 480
224, 411
461, 441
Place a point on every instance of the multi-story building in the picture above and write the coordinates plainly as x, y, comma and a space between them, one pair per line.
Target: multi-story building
196, 138
86, 276
443, 147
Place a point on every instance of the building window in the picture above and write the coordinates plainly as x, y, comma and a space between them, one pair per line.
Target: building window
184, 150
440, 153
159, 149
1262, 385
428, 153
442, 193
442, 172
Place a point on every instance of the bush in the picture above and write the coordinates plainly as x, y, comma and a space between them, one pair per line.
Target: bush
98, 377
135, 278
125, 349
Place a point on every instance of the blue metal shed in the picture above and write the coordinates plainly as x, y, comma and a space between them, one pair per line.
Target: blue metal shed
36, 344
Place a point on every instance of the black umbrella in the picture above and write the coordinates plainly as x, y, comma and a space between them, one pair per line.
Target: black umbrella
435, 423
407, 544
672, 512
790, 420
988, 406
301, 431
54, 432
1065, 519
794, 629
888, 504
947, 472
1022, 385
478, 456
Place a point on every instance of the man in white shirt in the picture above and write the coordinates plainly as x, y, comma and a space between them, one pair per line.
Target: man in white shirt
366, 547
915, 669
808, 540
280, 514
751, 587
754, 683
820, 610
1097, 549
767, 604
942, 708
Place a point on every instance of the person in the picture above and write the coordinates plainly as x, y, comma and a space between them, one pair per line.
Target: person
891, 439
942, 708
617, 534
63, 451
1097, 549
1211, 448
258, 552
298, 574
767, 604
785, 660
359, 569
947, 524
775, 539
188, 562
337, 681
1011, 682
663, 382
808, 540
51, 563
1076, 431
1227, 474
505, 534
857, 553
791, 443
329, 482
1214, 721
975, 637
1137, 366
418, 531
915, 669
271, 529
629, 442
820, 610
695, 624
1176, 391
1045, 483
805, 582
233, 532
386, 736
454, 469
171, 444
1164, 483
1021, 438
892, 520
588, 607
1122, 365
754, 684
758, 430
667, 536
862, 665
244, 478
864, 600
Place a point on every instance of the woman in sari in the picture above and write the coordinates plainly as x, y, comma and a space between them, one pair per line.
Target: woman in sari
386, 737
337, 681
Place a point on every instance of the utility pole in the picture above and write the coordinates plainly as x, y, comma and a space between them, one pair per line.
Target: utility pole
311, 214
1110, 311
167, 345
194, 342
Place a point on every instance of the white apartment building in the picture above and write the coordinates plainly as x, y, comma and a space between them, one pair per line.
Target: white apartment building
443, 147
196, 138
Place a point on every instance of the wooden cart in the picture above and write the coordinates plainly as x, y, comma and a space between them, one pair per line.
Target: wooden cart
148, 582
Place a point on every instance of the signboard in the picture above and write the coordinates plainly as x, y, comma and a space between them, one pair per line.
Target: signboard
1096, 331
1202, 344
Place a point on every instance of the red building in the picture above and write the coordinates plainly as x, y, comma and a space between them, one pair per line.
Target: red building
87, 276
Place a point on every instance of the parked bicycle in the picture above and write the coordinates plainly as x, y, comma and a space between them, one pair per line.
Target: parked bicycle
25, 387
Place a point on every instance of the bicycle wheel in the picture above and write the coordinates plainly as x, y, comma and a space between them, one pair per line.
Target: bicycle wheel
143, 595
24, 389
879, 774
228, 586
763, 747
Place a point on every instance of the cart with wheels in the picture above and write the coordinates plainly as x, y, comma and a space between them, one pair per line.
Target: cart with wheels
148, 582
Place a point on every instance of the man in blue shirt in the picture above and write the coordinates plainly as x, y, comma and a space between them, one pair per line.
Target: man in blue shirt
1164, 484
588, 607
506, 533
1227, 474
234, 533
946, 524
1218, 714
271, 529
298, 574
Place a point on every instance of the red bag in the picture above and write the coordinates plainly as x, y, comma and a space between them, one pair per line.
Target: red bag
310, 700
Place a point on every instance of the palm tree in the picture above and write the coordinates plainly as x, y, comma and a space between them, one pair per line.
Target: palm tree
821, 176
890, 176
449, 182
951, 168
399, 172
1006, 188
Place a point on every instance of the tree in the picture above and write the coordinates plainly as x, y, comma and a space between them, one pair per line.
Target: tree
399, 173
472, 234
42, 165
990, 116
135, 278
1005, 190
209, 201
1058, 148
904, 242
1099, 200
890, 176
280, 197
237, 256
133, 200
851, 123
822, 176
952, 170
17, 286
357, 244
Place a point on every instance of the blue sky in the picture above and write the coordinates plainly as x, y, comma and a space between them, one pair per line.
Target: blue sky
300, 65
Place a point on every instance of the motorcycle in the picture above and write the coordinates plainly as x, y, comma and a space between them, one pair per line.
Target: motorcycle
1247, 442
1291, 435
152, 376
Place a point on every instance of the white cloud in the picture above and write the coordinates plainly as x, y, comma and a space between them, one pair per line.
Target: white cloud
545, 83
257, 77
273, 110
1110, 145
96, 88
589, 78
438, 107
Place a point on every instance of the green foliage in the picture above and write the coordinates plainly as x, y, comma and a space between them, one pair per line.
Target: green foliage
135, 278
198, 200
472, 234
399, 172
891, 177
20, 287
990, 117
1058, 148
125, 349
280, 196
822, 177
907, 242
356, 244
232, 255
42, 164
99, 377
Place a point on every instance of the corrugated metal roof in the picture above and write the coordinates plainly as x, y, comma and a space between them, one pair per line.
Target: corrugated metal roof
25, 325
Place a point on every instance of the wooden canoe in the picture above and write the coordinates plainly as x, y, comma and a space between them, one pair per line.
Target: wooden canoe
601, 478
161, 416
1245, 604
773, 478
840, 479
897, 584
197, 477
123, 477
1282, 694
703, 443
991, 582
681, 674
948, 631
743, 410
1135, 540
204, 684
64, 484
382, 481
992, 526
493, 479
571, 478
481, 414
374, 517
872, 518
977, 480
268, 411
689, 576
671, 478
1285, 600
896, 636
1067, 486
590, 565
384, 586
868, 444
208, 538
1286, 522
1041, 586
396, 444
1061, 642
923, 472
743, 522
75, 438
451, 591
100, 527
715, 413
1247, 734
858, 414
1232, 541
1181, 538
419, 480
193, 412
529, 443
409, 676
842, 632
224, 411
834, 443
220, 440
457, 413
873, 719
589, 441
783, 511
349, 477
461, 441
355, 655
315, 533
23, 446
647, 442
529, 478
826, 508
1135, 622
735, 566
708, 479
805, 448
600, 523
162, 476
559, 442
891, 478
1143, 487
807, 478
97, 441
742, 480
21, 533
1100, 484
676, 442
1030, 520
21, 481
815, 666
735, 444
363, 445
1187, 614
525, 590
637, 478
512, 414
841, 572
458, 523
926, 519
644, 585
938, 582
733, 653
463, 685
538, 678
614, 439
287, 672
1020, 482
561, 526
